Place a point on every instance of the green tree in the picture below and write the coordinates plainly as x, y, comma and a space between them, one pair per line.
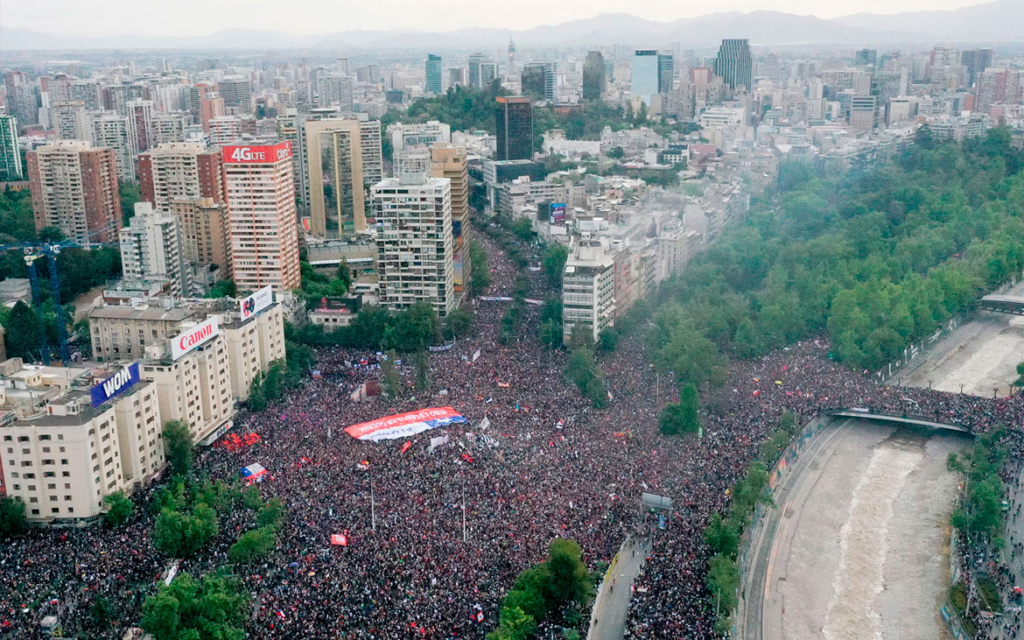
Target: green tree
607, 340
214, 608
616, 153
1020, 375
722, 536
553, 264
131, 194
422, 370
24, 333
272, 514
178, 446
569, 578
12, 516
119, 509
480, 276
689, 401
458, 323
223, 289
102, 613
551, 334
181, 535
390, 378
253, 545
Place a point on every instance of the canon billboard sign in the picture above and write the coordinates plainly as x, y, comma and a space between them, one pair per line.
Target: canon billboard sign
258, 154
197, 335
257, 302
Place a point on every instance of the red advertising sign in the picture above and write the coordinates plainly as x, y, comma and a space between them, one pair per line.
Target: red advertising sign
258, 154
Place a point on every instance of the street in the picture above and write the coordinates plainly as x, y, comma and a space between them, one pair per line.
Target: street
608, 619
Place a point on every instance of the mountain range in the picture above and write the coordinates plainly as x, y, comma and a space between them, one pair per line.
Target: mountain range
1000, 21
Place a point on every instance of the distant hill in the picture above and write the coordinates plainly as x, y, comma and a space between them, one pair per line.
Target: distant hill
998, 21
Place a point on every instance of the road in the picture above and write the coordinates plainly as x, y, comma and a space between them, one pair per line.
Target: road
861, 522
979, 358
608, 618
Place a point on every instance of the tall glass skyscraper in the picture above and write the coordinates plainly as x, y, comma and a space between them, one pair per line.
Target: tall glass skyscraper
433, 84
734, 64
645, 74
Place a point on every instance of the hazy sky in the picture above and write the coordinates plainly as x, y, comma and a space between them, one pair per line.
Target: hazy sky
200, 17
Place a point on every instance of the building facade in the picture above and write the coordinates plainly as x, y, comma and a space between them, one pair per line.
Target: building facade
433, 71
180, 170
588, 291
734, 64
151, 249
415, 247
260, 192
72, 436
10, 155
514, 123
74, 188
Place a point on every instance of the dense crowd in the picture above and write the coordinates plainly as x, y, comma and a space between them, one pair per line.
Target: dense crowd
433, 535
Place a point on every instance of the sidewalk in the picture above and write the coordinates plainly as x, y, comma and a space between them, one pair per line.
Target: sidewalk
611, 608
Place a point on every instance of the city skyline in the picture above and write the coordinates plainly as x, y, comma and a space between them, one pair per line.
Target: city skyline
59, 17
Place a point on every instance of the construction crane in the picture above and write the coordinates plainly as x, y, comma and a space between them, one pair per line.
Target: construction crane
34, 252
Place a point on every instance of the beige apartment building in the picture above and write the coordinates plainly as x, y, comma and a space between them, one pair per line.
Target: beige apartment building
65, 448
264, 219
203, 356
334, 155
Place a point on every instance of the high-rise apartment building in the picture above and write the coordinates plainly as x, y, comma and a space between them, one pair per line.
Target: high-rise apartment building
644, 75
373, 156
734, 64
140, 117
180, 170
588, 292
224, 130
594, 76
514, 123
415, 248
264, 221
335, 91
116, 132
211, 107
236, 92
70, 121
169, 127
21, 98
74, 188
87, 91
151, 249
206, 235
433, 71
451, 162
337, 188
10, 154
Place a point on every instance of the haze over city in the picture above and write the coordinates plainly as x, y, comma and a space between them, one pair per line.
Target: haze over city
511, 320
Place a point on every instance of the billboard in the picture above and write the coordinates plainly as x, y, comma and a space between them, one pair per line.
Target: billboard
256, 154
558, 213
404, 424
197, 335
256, 302
115, 385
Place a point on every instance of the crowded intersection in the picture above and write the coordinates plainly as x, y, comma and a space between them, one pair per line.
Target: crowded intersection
436, 533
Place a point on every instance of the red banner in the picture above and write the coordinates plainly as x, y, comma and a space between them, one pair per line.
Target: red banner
404, 425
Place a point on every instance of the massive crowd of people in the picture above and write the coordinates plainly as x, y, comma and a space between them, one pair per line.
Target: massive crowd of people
434, 536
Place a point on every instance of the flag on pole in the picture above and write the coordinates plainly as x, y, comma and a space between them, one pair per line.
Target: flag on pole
407, 446
364, 465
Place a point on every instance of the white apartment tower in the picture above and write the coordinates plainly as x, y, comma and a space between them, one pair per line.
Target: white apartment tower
415, 248
151, 248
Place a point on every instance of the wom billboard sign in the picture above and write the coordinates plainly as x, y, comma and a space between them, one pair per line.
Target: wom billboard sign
197, 335
257, 302
115, 385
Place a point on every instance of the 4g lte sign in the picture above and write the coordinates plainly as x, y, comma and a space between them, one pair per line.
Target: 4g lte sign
258, 155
